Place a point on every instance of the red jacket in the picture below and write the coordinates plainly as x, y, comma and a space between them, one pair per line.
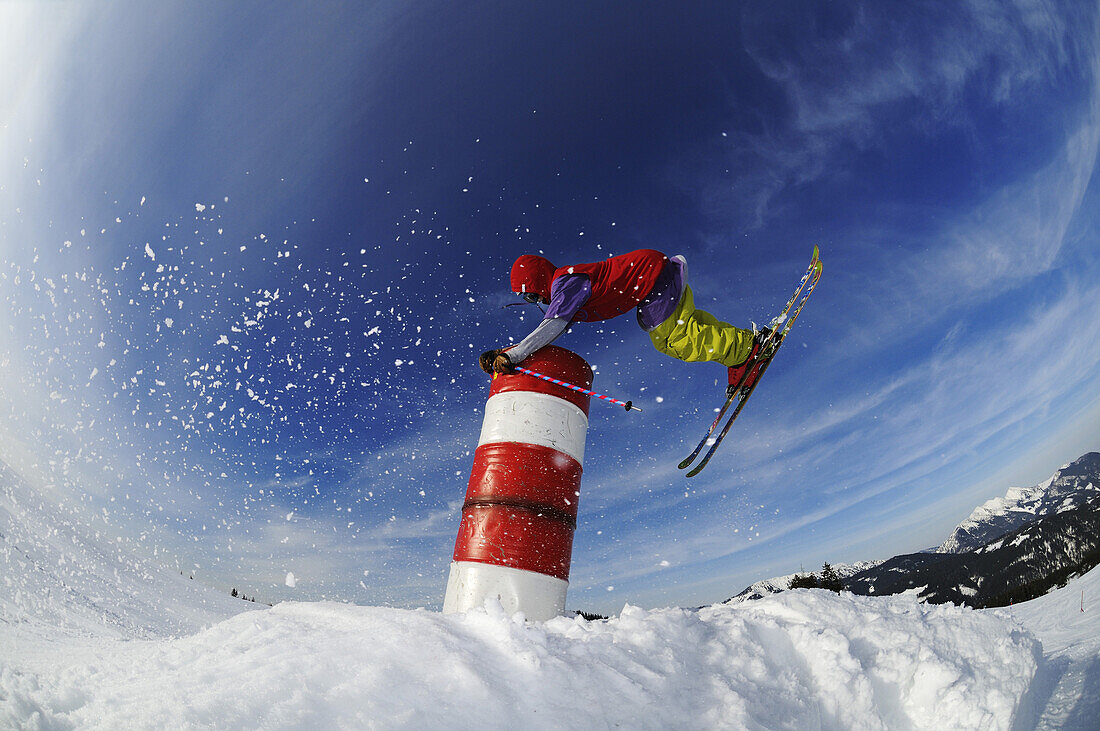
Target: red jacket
619, 283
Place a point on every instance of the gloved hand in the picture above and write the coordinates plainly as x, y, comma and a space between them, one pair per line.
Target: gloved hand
485, 360
496, 360
503, 364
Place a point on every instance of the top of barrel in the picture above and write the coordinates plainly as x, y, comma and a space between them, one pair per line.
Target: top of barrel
559, 363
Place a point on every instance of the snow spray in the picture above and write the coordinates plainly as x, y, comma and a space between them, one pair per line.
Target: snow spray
515, 539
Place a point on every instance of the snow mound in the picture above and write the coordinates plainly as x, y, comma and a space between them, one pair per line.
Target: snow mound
802, 659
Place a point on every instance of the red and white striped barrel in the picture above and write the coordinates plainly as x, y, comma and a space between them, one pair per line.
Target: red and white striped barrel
515, 540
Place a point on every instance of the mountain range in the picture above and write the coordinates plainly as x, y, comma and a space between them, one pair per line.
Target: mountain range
1008, 550
1068, 488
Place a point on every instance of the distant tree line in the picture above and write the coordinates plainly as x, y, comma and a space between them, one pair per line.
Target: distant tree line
590, 616
829, 579
241, 596
1056, 579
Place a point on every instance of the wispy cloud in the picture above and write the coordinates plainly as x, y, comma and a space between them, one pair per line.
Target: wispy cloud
843, 80
1015, 235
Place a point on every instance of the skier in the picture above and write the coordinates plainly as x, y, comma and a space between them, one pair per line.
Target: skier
645, 279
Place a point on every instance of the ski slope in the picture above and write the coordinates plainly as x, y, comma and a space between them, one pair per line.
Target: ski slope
61, 577
1066, 693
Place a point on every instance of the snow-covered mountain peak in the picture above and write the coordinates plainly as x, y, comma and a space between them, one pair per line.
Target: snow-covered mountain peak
1066, 489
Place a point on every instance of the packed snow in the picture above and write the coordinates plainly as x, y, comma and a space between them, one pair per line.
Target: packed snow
803, 659
62, 578
1067, 621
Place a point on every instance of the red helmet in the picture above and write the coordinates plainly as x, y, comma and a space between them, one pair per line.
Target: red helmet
532, 274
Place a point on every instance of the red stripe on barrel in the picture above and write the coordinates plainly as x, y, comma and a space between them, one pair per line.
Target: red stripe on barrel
525, 474
520, 538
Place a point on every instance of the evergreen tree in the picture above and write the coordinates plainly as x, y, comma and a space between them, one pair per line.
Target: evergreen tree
233, 593
830, 579
804, 581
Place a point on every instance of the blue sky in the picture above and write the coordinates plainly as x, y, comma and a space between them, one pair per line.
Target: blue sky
250, 255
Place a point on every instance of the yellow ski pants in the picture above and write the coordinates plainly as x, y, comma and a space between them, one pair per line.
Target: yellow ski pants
695, 335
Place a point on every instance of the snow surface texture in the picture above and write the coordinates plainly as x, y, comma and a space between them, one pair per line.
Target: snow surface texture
1067, 690
1067, 488
803, 659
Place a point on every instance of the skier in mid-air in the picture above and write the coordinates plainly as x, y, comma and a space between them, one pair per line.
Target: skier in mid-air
655, 284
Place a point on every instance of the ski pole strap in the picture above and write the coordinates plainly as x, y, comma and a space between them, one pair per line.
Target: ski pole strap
628, 405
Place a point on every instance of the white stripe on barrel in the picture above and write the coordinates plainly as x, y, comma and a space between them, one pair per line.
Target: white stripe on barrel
538, 596
535, 418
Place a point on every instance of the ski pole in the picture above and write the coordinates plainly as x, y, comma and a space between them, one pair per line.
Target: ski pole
629, 405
